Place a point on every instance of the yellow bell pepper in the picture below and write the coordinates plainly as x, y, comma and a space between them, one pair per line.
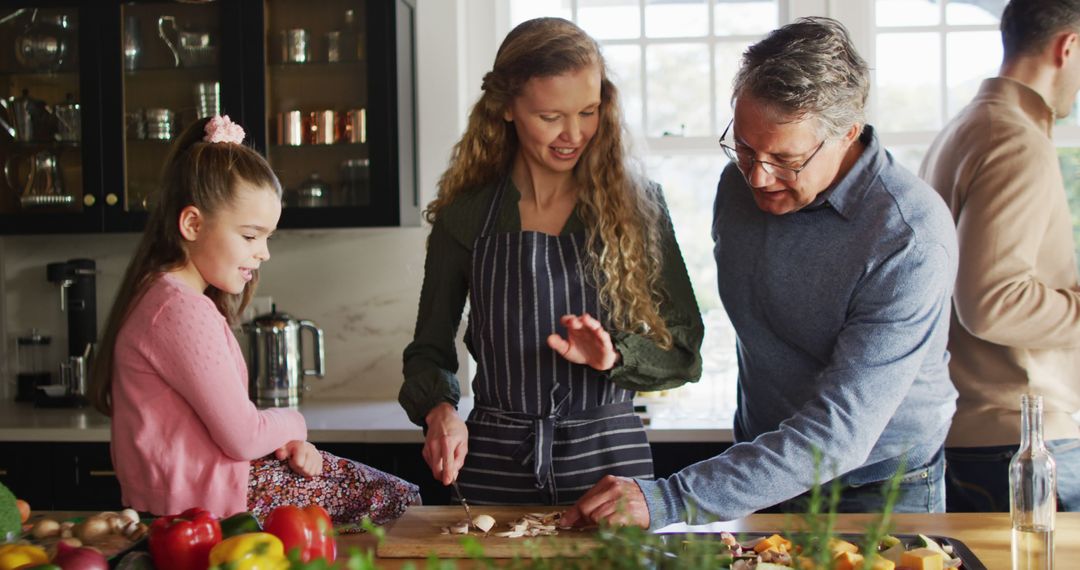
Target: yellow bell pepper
14, 555
250, 551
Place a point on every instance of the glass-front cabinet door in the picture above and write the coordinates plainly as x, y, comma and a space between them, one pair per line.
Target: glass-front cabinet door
171, 61
95, 94
333, 109
49, 150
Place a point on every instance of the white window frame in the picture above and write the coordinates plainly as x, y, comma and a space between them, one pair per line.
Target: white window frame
458, 39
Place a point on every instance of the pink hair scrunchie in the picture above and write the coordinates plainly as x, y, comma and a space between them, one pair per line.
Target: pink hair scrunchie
221, 129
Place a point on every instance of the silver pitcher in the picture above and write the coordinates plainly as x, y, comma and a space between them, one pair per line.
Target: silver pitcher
42, 45
38, 179
26, 119
190, 48
276, 370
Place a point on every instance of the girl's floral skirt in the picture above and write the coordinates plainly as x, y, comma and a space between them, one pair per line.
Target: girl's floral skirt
349, 490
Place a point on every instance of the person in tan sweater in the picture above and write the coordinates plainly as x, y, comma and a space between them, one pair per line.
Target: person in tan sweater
1016, 306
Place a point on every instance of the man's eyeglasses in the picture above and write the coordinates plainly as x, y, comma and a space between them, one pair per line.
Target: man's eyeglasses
745, 160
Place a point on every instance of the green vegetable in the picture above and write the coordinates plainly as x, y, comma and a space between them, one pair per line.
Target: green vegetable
10, 519
888, 541
927, 542
240, 523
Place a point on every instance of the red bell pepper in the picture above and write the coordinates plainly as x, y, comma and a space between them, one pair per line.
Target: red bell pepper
183, 541
307, 530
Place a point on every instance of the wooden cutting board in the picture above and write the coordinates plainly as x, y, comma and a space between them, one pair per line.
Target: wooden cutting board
417, 534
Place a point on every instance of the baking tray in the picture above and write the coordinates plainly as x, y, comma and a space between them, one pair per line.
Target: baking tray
113, 556
960, 550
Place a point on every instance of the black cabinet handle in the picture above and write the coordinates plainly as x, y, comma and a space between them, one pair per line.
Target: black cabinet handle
102, 473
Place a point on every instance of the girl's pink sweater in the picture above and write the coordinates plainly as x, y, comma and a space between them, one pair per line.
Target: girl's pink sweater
183, 428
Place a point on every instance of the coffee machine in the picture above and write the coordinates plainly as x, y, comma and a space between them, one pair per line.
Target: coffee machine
76, 278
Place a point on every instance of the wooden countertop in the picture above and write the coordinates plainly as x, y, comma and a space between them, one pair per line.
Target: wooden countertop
987, 535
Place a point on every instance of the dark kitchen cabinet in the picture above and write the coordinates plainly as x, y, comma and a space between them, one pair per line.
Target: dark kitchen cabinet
61, 475
325, 90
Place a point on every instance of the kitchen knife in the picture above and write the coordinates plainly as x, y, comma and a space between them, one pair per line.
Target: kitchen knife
462, 497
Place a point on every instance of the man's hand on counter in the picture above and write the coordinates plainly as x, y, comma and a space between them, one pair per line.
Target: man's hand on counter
616, 500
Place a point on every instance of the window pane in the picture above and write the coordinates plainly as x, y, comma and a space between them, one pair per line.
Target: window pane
689, 184
610, 19
624, 64
1072, 118
741, 17
1070, 172
687, 18
907, 12
970, 57
728, 56
910, 157
678, 89
521, 10
973, 11
908, 85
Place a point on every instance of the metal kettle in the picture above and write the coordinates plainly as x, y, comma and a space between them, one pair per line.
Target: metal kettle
277, 370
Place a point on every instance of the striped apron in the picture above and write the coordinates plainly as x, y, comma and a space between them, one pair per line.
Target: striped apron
543, 430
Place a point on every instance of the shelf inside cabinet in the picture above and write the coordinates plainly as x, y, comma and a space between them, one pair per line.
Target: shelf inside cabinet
306, 147
68, 76
186, 72
319, 66
40, 145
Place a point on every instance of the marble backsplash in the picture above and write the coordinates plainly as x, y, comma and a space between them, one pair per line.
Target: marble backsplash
360, 286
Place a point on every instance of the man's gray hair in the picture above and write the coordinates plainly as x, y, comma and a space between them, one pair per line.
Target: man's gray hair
807, 70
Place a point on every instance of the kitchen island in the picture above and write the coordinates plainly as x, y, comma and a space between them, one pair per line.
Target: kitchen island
988, 535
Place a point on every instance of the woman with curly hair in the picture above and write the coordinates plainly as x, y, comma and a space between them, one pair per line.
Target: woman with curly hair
578, 293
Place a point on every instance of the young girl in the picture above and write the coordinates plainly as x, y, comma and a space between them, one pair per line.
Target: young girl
170, 372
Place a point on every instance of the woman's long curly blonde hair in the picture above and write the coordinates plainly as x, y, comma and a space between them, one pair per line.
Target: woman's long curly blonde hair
619, 209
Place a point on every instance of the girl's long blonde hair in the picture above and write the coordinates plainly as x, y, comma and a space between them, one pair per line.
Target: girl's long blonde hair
200, 174
620, 210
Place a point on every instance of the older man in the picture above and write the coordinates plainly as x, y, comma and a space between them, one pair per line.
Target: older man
1016, 309
836, 267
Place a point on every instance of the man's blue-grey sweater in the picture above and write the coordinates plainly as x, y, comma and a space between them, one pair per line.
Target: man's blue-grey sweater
842, 312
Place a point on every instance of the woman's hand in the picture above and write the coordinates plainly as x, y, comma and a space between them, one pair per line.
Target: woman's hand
446, 444
615, 500
304, 459
586, 342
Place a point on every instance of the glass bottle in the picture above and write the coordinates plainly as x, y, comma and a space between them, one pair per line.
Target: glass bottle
1032, 492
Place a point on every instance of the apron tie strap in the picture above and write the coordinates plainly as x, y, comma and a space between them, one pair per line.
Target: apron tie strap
537, 446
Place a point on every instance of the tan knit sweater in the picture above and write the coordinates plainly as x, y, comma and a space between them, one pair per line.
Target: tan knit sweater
1016, 306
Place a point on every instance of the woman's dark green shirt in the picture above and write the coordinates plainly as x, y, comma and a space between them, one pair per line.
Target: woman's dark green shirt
431, 359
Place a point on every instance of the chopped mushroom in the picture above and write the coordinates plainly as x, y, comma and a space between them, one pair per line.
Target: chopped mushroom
533, 524
483, 522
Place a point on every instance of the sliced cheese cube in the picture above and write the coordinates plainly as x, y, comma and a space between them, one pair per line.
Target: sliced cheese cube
846, 560
837, 546
922, 559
